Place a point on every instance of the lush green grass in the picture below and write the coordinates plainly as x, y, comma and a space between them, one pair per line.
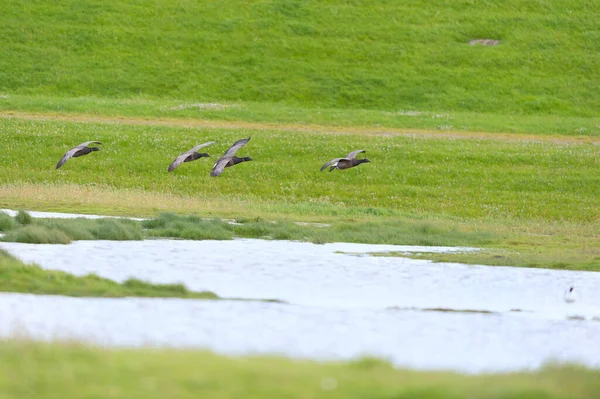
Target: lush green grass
264, 115
391, 55
524, 181
531, 198
70, 370
18, 277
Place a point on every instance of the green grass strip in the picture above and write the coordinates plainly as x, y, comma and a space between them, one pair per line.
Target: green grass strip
72, 370
15, 276
575, 248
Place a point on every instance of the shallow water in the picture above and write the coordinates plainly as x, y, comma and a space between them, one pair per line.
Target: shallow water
340, 306
315, 275
421, 340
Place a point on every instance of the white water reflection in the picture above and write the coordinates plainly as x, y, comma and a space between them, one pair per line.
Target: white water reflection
421, 340
315, 275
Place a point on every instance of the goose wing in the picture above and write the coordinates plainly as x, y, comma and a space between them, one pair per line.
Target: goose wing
330, 163
196, 148
236, 146
219, 166
353, 154
67, 156
179, 160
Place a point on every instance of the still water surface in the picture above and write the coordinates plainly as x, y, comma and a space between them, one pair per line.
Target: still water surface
339, 306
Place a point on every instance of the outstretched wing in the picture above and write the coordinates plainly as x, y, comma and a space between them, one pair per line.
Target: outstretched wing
179, 160
196, 148
219, 166
88, 143
67, 156
329, 163
353, 154
236, 146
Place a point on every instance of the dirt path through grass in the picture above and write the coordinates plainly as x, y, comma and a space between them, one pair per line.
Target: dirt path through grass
307, 128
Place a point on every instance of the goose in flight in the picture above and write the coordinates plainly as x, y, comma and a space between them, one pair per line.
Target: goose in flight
79, 151
190, 156
229, 159
345, 163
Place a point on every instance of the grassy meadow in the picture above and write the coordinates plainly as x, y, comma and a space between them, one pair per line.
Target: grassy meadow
474, 178
342, 54
530, 197
42, 370
494, 146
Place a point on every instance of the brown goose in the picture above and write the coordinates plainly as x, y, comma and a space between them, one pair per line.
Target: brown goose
345, 163
190, 156
79, 151
229, 159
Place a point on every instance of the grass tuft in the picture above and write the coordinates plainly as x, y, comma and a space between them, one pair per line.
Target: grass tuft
111, 229
6, 222
23, 218
63, 231
37, 234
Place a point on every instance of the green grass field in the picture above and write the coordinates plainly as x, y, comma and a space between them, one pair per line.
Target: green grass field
474, 178
343, 54
496, 147
537, 199
74, 370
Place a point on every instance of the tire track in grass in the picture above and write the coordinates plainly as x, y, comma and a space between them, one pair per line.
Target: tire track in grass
306, 128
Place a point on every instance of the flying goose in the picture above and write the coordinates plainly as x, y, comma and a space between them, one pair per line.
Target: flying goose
190, 156
79, 151
345, 163
229, 159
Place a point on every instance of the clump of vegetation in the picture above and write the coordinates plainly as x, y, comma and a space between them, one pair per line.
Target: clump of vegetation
23, 218
64, 231
376, 232
187, 227
6, 222
15, 276
113, 229
36, 234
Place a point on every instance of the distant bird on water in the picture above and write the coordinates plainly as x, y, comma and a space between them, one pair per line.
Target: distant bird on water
570, 295
79, 151
190, 156
229, 159
345, 163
